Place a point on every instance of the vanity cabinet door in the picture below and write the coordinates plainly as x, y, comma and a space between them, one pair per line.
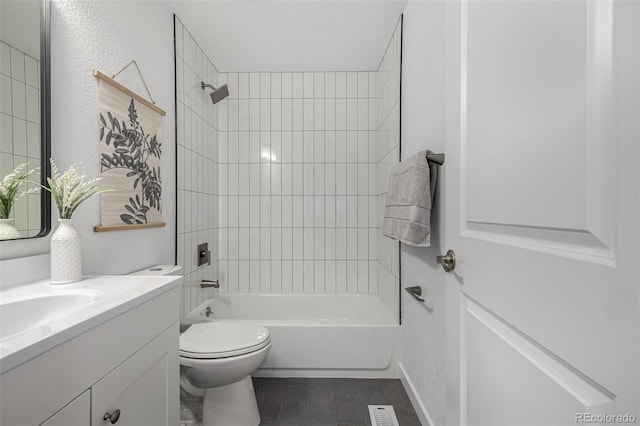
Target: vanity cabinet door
144, 388
76, 413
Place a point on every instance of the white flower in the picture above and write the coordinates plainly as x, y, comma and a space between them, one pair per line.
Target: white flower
70, 189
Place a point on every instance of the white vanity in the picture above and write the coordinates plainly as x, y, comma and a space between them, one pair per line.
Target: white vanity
102, 351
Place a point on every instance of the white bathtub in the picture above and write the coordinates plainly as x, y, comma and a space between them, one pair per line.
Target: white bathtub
334, 335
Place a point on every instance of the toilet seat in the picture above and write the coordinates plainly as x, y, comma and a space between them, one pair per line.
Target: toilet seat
212, 340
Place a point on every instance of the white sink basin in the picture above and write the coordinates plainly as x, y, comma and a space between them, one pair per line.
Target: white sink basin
39, 316
19, 315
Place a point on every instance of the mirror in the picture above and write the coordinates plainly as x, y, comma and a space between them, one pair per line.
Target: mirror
24, 111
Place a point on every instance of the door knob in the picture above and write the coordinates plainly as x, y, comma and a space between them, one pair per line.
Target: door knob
113, 416
447, 261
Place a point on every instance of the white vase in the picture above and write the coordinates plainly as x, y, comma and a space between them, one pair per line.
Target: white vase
66, 257
8, 231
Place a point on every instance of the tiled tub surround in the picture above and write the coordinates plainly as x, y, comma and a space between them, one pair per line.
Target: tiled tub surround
291, 169
297, 182
20, 128
387, 147
197, 171
303, 161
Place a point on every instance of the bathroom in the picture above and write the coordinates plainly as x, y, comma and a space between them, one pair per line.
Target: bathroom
539, 320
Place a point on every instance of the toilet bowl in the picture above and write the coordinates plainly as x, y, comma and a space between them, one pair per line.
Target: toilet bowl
219, 357
216, 362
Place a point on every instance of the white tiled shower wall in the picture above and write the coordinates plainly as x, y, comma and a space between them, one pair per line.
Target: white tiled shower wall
387, 148
300, 198
301, 167
197, 171
296, 174
20, 128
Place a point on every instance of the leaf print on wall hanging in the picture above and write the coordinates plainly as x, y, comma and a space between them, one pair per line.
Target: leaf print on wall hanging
130, 151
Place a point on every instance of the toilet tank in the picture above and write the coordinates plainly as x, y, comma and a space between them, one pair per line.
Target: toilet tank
162, 270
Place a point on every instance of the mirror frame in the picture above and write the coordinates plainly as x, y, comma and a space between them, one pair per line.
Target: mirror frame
45, 116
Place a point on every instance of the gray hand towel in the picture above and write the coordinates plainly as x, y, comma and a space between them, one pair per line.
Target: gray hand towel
407, 212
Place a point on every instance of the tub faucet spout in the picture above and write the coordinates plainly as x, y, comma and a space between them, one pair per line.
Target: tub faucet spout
209, 283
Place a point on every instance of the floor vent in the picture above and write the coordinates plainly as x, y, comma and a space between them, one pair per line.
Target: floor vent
382, 415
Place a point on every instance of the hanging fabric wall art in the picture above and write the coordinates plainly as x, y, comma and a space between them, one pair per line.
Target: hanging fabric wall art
129, 129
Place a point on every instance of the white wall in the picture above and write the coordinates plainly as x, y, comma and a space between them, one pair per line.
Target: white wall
423, 126
107, 35
197, 129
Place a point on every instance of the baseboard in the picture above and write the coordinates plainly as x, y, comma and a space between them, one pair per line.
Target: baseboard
418, 406
388, 373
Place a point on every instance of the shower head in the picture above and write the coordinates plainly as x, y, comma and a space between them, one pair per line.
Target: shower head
218, 94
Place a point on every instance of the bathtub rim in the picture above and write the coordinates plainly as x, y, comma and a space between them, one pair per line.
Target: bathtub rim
196, 315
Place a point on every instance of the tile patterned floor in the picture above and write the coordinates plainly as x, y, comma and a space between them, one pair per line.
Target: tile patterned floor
322, 402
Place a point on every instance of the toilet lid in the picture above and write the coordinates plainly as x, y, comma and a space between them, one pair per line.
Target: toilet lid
222, 339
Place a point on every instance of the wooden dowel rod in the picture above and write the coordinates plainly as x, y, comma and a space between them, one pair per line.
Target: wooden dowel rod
109, 228
97, 74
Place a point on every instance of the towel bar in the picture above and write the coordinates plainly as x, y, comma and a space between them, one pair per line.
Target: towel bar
436, 158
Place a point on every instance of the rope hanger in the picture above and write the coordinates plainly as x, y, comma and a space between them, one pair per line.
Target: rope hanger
140, 74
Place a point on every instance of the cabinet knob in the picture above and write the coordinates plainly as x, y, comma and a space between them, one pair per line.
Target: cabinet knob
113, 416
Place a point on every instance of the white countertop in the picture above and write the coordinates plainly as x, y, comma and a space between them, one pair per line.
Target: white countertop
111, 295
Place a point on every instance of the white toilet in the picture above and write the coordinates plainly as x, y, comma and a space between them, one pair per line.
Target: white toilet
216, 362
219, 357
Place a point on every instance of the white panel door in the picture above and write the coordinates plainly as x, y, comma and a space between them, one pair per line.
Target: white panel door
542, 210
